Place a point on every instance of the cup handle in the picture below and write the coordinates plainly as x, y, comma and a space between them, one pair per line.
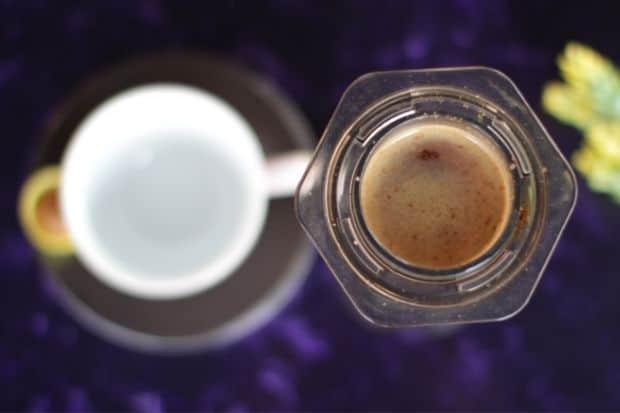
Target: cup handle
285, 170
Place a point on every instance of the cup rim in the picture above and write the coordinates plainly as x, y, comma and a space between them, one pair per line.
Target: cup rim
245, 147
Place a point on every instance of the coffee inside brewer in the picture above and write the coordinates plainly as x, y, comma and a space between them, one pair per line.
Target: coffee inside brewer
436, 194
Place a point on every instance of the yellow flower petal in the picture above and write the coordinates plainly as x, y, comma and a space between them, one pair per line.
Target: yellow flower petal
568, 105
604, 138
583, 67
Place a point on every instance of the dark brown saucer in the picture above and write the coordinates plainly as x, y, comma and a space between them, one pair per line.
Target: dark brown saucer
264, 283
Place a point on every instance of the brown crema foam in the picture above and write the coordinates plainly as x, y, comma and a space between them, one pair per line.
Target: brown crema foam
436, 194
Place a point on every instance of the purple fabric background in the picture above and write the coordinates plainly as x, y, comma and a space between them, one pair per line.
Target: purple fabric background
560, 353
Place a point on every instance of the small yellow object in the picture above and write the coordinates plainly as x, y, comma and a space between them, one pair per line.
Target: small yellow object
39, 213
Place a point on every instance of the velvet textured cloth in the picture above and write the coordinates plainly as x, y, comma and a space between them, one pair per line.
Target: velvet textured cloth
560, 353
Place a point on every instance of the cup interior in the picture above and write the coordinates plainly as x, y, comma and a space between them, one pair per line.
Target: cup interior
163, 190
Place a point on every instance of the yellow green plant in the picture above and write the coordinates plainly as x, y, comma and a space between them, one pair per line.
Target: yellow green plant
589, 99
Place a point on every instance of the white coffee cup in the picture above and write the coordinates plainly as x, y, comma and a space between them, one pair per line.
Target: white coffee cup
164, 190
